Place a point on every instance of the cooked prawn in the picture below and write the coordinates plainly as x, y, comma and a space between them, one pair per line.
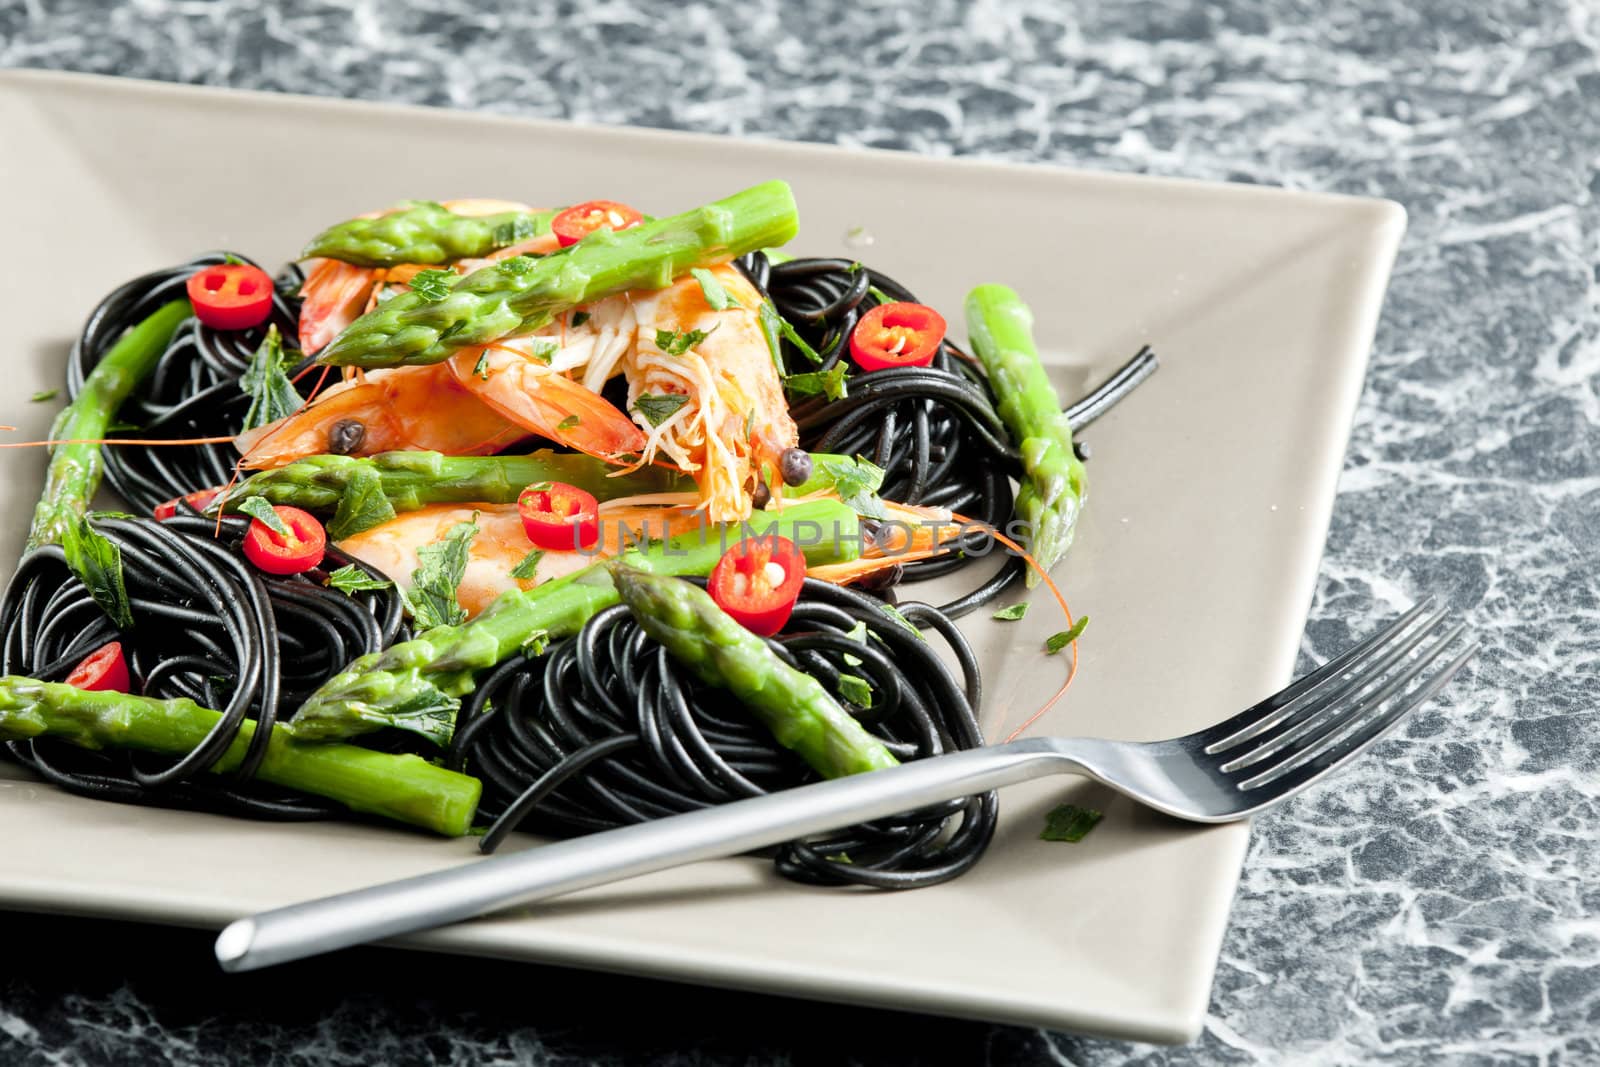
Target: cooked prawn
405, 408
734, 422
501, 543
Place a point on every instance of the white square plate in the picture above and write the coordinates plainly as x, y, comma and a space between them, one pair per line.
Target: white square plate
1209, 500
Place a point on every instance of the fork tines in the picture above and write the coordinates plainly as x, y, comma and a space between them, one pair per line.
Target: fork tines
1336, 712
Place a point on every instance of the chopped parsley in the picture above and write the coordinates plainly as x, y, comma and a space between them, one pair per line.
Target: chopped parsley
716, 296
674, 343
1070, 823
856, 690
262, 511
351, 579
1056, 642
481, 368
1012, 613
571, 422
434, 583
433, 285
543, 350
857, 482
894, 613
774, 325
659, 407
44, 394
266, 381
828, 382
529, 564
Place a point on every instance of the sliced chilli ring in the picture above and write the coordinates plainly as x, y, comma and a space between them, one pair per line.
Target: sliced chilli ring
296, 552
231, 296
757, 581
559, 516
897, 335
580, 220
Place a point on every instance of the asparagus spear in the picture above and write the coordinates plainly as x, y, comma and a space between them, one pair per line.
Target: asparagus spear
1001, 328
417, 685
74, 472
522, 294
424, 232
801, 714
366, 492
406, 788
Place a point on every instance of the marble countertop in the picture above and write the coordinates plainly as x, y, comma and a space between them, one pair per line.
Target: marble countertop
1442, 904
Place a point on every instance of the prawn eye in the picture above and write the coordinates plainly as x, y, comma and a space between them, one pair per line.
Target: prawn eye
345, 436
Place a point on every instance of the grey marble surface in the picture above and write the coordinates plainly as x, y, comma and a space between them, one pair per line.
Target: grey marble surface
1441, 905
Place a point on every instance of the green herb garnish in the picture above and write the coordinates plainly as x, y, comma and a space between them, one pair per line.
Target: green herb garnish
1012, 613
97, 563
362, 505
571, 422
529, 564
856, 690
543, 350
262, 511
1056, 642
774, 324
658, 408
44, 394
434, 285
829, 382
434, 583
857, 482
716, 296
351, 579
895, 614
674, 343
1068, 822
266, 381
481, 368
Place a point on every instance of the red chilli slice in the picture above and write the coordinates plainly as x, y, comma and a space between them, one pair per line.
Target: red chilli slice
559, 516
757, 582
580, 220
104, 670
231, 296
199, 501
897, 335
298, 551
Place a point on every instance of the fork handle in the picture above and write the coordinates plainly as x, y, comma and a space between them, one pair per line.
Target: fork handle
467, 891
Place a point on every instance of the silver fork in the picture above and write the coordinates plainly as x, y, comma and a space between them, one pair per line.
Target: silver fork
1251, 762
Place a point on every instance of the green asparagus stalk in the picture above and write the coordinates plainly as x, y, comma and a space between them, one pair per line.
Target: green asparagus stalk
1052, 492
75, 469
405, 788
522, 294
417, 685
365, 492
801, 714
422, 231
